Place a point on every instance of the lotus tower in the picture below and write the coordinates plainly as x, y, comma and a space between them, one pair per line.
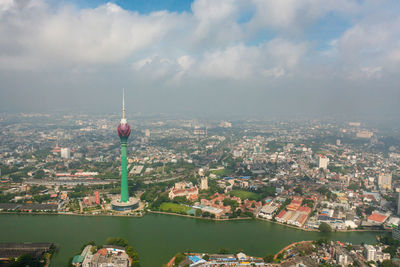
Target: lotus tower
124, 130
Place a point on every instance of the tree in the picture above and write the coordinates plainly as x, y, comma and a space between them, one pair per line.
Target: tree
134, 256
269, 258
39, 174
325, 228
321, 241
223, 251
198, 212
369, 210
117, 241
387, 263
179, 258
27, 260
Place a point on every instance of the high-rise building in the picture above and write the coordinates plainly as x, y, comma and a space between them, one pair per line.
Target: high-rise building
323, 162
204, 183
147, 133
398, 203
65, 153
385, 181
369, 253
124, 130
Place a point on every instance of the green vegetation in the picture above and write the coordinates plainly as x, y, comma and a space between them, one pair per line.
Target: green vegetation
116, 241
179, 257
269, 258
221, 173
392, 243
245, 195
388, 263
308, 202
173, 207
325, 228
27, 260
267, 191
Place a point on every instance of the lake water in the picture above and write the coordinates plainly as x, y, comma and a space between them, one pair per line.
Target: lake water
158, 237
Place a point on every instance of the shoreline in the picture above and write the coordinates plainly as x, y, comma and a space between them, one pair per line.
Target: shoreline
202, 218
193, 217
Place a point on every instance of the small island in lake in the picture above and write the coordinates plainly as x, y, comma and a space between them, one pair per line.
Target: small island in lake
116, 252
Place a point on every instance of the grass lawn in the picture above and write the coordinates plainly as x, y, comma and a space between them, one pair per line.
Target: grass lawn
245, 195
221, 173
172, 207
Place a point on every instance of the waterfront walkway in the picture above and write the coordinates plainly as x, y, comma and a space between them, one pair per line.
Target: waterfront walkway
290, 246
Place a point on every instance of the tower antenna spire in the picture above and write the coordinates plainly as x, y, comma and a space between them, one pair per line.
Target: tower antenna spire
123, 103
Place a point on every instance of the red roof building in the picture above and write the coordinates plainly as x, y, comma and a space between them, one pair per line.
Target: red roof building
377, 218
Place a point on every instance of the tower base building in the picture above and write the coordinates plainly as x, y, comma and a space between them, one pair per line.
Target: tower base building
131, 204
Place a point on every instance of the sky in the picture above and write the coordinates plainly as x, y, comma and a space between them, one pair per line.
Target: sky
201, 57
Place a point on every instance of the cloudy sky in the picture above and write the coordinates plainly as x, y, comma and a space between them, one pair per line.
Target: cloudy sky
220, 57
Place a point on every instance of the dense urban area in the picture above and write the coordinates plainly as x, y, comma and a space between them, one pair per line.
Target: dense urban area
313, 175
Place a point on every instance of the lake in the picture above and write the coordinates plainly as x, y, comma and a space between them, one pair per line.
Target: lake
157, 237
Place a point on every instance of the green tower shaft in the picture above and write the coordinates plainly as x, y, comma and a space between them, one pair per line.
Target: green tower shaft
124, 172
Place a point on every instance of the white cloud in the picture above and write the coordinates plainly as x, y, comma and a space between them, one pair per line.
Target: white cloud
102, 35
209, 42
369, 48
294, 16
372, 72
274, 58
6, 5
276, 72
185, 62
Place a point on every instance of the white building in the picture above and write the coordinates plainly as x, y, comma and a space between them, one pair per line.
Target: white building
342, 259
385, 181
323, 162
364, 134
237, 153
369, 253
204, 183
65, 153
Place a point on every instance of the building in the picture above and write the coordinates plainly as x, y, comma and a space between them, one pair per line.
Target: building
65, 153
147, 133
237, 153
56, 149
377, 218
183, 189
124, 130
369, 253
385, 181
97, 197
398, 204
355, 124
364, 134
204, 183
341, 259
14, 250
323, 162
225, 124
